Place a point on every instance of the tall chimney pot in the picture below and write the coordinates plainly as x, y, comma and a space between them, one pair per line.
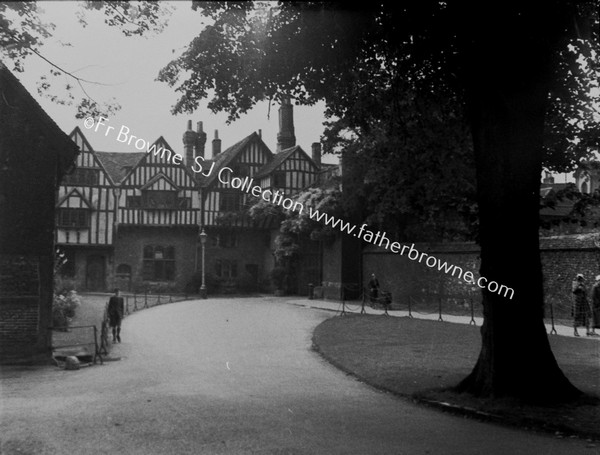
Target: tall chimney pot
216, 144
316, 153
286, 137
200, 139
189, 144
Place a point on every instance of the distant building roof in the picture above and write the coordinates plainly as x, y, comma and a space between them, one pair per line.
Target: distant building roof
276, 161
225, 157
561, 208
547, 188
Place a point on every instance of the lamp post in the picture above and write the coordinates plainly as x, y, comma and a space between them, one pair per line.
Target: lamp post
203, 237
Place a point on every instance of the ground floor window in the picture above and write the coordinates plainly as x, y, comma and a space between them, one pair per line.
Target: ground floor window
226, 268
159, 263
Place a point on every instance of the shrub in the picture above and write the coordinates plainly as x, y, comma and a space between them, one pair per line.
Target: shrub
213, 283
278, 276
62, 285
247, 283
64, 307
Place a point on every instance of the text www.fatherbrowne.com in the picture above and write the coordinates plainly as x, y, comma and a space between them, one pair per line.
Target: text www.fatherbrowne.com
413, 254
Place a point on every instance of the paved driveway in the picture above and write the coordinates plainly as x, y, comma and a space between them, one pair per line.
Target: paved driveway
232, 377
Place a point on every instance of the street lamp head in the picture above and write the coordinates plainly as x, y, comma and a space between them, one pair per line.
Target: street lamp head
203, 236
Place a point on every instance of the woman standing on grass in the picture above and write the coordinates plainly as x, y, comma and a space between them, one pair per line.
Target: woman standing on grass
581, 308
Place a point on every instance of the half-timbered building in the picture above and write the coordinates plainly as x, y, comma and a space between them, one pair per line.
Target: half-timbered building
157, 224
132, 220
85, 219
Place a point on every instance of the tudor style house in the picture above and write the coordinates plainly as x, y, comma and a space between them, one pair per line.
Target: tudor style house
132, 220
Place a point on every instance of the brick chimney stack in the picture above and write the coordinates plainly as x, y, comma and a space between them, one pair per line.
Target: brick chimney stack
316, 153
201, 140
189, 144
285, 137
216, 144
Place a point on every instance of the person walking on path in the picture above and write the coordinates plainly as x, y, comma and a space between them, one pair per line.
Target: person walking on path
373, 288
581, 307
115, 311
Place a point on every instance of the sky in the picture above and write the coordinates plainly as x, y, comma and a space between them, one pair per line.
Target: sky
127, 67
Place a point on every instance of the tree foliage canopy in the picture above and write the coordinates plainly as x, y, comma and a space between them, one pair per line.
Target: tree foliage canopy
398, 79
23, 33
392, 80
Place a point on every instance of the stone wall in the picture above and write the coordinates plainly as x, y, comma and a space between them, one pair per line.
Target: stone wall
563, 257
404, 277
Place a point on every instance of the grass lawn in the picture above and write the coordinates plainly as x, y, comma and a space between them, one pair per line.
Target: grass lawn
423, 359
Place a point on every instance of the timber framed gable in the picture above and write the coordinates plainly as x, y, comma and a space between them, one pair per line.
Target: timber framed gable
291, 171
245, 159
85, 211
158, 192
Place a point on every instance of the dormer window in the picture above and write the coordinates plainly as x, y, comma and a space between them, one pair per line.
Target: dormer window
73, 218
82, 176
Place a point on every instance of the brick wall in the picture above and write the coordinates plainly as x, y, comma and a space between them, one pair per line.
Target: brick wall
79, 255
341, 268
401, 276
24, 308
562, 257
332, 271
129, 249
248, 253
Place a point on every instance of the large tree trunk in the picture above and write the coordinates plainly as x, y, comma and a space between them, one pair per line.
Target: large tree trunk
507, 93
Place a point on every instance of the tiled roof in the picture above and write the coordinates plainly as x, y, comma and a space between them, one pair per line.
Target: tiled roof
562, 207
276, 161
67, 150
156, 178
118, 164
280, 158
224, 158
547, 187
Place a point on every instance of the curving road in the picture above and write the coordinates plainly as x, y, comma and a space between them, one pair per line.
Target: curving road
232, 377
